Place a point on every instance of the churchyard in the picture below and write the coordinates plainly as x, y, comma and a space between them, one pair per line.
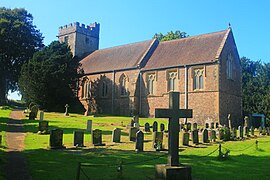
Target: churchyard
246, 159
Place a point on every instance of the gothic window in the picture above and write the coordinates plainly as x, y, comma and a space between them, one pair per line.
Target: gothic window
86, 89
172, 81
104, 89
123, 85
150, 83
198, 79
230, 67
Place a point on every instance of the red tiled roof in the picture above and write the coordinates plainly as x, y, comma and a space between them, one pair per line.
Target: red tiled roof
116, 58
191, 50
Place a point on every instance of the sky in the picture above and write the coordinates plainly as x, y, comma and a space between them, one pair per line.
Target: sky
124, 22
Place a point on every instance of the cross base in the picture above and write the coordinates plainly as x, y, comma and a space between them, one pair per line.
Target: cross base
165, 171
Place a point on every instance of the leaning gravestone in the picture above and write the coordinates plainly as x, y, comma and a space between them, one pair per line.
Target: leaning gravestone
132, 133
162, 127
41, 115
195, 136
139, 141
56, 139
205, 136
97, 137
188, 126
78, 138
158, 140
146, 127
185, 139
43, 127
155, 126
116, 135
89, 126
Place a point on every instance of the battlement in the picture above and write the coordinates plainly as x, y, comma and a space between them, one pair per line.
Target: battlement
92, 29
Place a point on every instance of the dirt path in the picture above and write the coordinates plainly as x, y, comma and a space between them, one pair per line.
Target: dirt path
16, 167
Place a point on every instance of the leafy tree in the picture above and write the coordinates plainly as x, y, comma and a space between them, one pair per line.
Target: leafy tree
256, 87
170, 36
49, 79
19, 39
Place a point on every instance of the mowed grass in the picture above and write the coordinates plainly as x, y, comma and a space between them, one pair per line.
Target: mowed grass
245, 160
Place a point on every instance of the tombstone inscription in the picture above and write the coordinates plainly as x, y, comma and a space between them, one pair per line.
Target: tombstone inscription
43, 127
97, 137
56, 139
78, 138
132, 133
173, 113
116, 135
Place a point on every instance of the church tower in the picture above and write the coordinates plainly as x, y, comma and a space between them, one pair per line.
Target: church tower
81, 39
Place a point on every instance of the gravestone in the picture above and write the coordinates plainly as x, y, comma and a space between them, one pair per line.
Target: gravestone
56, 139
146, 127
43, 127
89, 125
233, 134
158, 140
195, 126
212, 126
97, 137
33, 113
205, 136
206, 125
116, 135
188, 126
162, 127
173, 170
227, 134
41, 115
185, 139
221, 134
195, 136
66, 112
240, 132
213, 135
78, 138
132, 133
246, 121
136, 119
155, 126
139, 141
245, 131
252, 130
230, 121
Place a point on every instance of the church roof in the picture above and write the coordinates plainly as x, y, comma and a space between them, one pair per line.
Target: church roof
116, 58
186, 51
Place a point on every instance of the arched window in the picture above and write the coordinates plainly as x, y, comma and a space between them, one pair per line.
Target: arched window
172, 81
198, 79
104, 89
86, 89
230, 66
123, 85
150, 83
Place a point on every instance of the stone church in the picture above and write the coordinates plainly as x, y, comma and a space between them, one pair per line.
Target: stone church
136, 78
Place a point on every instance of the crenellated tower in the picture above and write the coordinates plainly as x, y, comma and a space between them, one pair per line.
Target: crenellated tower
81, 39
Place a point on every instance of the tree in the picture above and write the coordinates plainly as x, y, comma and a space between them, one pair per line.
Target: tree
170, 36
19, 40
49, 79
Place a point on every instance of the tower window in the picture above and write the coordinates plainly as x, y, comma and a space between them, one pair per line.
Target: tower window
66, 39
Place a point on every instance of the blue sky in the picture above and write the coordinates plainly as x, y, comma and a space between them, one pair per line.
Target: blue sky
124, 21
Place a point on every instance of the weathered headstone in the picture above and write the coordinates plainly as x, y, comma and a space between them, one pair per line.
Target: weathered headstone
146, 127
188, 126
132, 133
195, 136
89, 125
230, 121
116, 135
233, 133
158, 140
33, 113
212, 125
155, 126
78, 138
185, 139
56, 139
217, 125
172, 170
213, 135
245, 131
139, 141
195, 126
206, 125
221, 134
240, 132
43, 127
205, 136
227, 134
252, 130
97, 137
162, 127
41, 115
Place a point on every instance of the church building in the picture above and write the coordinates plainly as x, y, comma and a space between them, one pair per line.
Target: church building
137, 78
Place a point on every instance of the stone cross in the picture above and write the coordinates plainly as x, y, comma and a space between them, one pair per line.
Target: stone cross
66, 113
173, 113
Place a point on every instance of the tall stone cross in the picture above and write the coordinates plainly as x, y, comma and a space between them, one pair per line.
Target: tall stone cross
173, 113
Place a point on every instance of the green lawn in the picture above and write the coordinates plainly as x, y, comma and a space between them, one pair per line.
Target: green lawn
244, 162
